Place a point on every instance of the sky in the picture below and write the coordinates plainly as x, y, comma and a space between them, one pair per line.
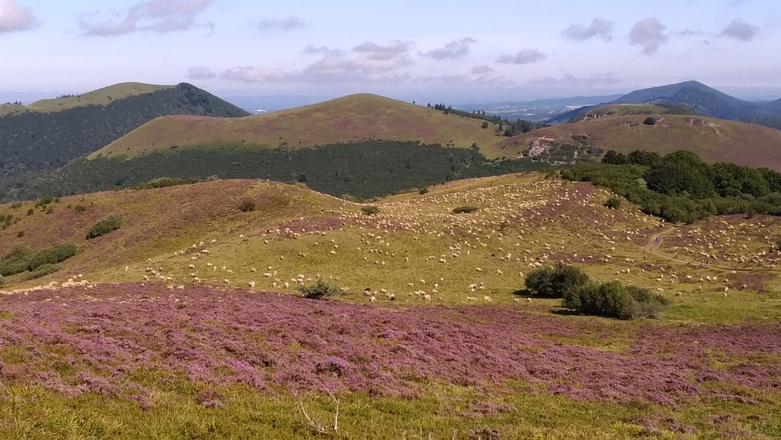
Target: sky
407, 49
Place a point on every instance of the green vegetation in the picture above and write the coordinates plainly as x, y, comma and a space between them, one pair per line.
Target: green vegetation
104, 226
680, 187
320, 289
38, 141
42, 271
165, 182
555, 281
21, 259
613, 203
613, 299
370, 209
649, 121
363, 169
53, 255
465, 209
579, 293
248, 205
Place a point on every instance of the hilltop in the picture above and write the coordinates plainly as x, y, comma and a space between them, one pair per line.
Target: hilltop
103, 96
51, 133
698, 98
352, 118
622, 128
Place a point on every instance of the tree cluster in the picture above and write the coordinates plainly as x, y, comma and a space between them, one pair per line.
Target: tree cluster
680, 187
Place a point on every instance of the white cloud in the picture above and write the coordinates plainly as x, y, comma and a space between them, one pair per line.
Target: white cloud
598, 28
287, 24
479, 70
454, 49
393, 49
649, 34
153, 15
526, 56
15, 18
740, 30
200, 72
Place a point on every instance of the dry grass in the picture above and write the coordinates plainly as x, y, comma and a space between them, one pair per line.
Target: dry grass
349, 119
714, 140
102, 96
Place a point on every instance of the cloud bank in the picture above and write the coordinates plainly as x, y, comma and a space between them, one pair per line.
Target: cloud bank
287, 24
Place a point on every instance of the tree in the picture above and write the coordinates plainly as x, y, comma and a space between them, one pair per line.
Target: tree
555, 281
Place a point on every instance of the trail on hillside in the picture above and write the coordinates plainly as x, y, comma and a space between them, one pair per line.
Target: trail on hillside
655, 243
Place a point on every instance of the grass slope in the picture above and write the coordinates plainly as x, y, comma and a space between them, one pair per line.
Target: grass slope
102, 96
714, 140
349, 119
457, 349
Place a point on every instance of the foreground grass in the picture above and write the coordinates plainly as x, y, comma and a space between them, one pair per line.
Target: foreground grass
441, 413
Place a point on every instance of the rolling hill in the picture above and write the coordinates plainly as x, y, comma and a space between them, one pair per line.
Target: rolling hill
621, 128
352, 118
51, 133
190, 315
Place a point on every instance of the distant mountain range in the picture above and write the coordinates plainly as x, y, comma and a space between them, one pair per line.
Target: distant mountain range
698, 97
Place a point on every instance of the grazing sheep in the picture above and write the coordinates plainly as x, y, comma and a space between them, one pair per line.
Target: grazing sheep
251, 284
226, 281
487, 298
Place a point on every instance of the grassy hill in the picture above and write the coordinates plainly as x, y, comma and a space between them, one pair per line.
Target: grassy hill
51, 133
621, 128
103, 96
186, 321
352, 118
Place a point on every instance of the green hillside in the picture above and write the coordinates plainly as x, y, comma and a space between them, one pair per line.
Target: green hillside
353, 118
188, 320
42, 138
623, 129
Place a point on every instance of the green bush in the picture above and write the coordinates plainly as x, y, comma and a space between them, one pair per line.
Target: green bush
423, 190
103, 227
613, 203
16, 261
649, 121
555, 281
319, 290
465, 209
80, 208
2, 280
370, 210
248, 206
53, 255
42, 271
612, 299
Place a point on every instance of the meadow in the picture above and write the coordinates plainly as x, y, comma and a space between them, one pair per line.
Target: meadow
187, 322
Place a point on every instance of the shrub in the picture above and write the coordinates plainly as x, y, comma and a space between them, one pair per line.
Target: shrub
466, 209
649, 121
16, 261
423, 190
248, 206
370, 210
103, 227
613, 203
42, 271
80, 208
2, 280
612, 299
319, 290
555, 281
53, 255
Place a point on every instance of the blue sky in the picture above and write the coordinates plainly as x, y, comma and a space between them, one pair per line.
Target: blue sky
508, 49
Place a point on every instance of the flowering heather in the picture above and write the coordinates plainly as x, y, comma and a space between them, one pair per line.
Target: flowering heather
104, 340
